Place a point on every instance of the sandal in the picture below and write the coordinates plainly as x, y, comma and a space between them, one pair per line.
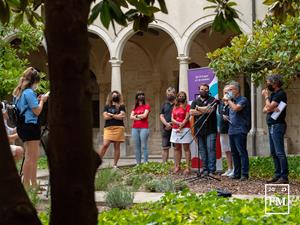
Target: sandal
187, 171
176, 170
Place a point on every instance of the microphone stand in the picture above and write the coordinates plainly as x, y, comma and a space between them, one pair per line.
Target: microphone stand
213, 104
199, 174
44, 147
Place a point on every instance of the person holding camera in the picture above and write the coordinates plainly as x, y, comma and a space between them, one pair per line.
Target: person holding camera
224, 121
25, 99
276, 127
114, 130
165, 118
206, 118
239, 126
140, 127
17, 151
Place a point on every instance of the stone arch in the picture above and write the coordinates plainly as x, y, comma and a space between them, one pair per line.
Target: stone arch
103, 35
125, 34
13, 36
143, 49
200, 24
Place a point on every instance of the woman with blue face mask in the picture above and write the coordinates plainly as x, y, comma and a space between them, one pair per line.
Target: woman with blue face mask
30, 107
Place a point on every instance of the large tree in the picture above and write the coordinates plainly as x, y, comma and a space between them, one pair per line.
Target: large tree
72, 161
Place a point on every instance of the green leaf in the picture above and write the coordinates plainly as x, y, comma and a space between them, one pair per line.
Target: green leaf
213, 1
95, 12
37, 3
116, 9
23, 4
37, 16
131, 14
14, 4
163, 6
210, 7
122, 3
105, 15
4, 12
231, 4
18, 19
30, 18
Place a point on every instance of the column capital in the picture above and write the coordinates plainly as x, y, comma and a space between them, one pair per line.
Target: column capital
115, 62
183, 59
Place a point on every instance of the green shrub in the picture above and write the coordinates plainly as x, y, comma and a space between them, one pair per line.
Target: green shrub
151, 185
136, 180
119, 197
42, 162
165, 185
188, 208
105, 177
180, 185
152, 168
263, 167
33, 196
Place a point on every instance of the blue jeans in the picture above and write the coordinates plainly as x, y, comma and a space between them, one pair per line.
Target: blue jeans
238, 145
207, 149
140, 138
276, 140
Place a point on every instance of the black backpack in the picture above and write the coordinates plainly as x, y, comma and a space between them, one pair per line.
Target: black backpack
15, 117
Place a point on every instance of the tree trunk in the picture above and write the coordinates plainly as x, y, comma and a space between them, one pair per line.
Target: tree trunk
71, 158
15, 206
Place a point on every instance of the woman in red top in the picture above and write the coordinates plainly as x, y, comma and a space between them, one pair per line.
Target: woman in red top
181, 131
140, 127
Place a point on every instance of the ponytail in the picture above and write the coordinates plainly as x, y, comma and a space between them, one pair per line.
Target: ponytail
28, 78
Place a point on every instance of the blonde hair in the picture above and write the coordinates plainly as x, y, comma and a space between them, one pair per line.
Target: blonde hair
28, 78
109, 99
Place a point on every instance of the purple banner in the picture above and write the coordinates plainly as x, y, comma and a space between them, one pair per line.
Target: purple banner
199, 76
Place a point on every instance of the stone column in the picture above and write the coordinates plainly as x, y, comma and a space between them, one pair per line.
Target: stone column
253, 120
261, 117
156, 91
116, 83
183, 72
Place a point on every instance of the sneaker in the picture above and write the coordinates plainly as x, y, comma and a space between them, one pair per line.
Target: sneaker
205, 173
187, 171
231, 173
273, 180
226, 174
212, 173
235, 177
176, 170
115, 167
244, 178
282, 181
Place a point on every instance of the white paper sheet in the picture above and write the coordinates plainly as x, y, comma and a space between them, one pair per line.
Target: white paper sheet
281, 107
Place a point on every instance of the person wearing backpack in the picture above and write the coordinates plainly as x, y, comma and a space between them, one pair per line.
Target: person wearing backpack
17, 151
29, 106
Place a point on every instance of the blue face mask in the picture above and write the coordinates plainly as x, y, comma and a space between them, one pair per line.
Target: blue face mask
230, 94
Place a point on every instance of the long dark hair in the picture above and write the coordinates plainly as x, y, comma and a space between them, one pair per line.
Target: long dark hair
29, 77
176, 101
137, 100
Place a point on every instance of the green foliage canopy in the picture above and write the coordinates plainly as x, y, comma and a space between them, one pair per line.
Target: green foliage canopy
13, 59
273, 47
